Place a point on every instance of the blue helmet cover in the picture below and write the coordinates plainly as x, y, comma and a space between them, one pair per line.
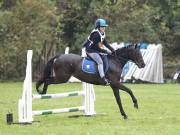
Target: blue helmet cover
101, 23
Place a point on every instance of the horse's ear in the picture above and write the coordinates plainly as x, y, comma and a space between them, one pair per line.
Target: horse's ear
130, 45
136, 46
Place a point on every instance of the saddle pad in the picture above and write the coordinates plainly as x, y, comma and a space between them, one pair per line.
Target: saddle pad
89, 66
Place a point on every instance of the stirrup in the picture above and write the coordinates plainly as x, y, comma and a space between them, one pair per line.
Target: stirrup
106, 82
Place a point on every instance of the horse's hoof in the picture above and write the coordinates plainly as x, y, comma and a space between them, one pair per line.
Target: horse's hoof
136, 106
125, 117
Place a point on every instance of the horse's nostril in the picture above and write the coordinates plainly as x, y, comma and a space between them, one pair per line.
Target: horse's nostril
143, 65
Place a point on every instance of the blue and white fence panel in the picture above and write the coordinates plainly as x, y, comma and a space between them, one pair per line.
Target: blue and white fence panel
153, 71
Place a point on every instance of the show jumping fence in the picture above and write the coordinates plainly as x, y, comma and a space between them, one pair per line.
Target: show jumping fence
25, 103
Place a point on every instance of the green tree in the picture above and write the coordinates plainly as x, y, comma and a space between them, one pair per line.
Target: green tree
24, 26
29, 24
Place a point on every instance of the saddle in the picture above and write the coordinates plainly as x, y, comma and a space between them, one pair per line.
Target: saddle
90, 67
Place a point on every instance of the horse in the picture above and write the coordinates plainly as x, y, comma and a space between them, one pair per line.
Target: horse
66, 65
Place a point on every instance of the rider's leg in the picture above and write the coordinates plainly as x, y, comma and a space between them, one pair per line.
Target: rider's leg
106, 63
96, 57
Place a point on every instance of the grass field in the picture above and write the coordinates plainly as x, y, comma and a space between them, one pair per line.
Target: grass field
159, 112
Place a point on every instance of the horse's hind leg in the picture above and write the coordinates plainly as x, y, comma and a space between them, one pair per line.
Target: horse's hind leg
54, 80
38, 84
45, 83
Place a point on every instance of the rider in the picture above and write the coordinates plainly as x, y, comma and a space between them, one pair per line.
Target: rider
95, 46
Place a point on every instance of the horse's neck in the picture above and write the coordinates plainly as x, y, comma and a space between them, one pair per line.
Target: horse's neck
119, 60
123, 57
123, 61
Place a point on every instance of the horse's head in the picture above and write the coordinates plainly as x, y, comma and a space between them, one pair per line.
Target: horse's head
131, 53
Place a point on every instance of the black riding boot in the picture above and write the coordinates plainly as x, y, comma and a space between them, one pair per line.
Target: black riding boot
106, 82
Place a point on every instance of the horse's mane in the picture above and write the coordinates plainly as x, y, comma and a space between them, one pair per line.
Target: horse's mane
121, 51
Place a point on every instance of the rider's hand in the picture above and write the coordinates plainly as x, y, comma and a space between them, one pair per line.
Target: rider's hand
108, 52
114, 53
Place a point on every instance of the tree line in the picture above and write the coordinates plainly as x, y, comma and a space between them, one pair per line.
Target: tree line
32, 24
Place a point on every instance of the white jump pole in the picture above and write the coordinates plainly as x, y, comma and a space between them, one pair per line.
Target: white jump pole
25, 103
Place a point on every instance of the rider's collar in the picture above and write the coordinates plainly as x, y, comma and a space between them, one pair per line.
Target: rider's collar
102, 33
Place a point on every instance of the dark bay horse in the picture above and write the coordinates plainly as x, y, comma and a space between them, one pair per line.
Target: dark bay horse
66, 65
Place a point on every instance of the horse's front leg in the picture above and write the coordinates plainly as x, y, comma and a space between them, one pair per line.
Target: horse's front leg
118, 100
126, 89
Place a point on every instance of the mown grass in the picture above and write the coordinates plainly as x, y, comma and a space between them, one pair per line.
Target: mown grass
159, 112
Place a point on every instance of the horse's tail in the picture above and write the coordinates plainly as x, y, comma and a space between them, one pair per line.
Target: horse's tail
48, 68
46, 75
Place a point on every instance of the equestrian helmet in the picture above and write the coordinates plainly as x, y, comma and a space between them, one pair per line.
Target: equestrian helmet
100, 23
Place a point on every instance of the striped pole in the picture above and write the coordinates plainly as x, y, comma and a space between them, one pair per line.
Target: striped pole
53, 111
59, 95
